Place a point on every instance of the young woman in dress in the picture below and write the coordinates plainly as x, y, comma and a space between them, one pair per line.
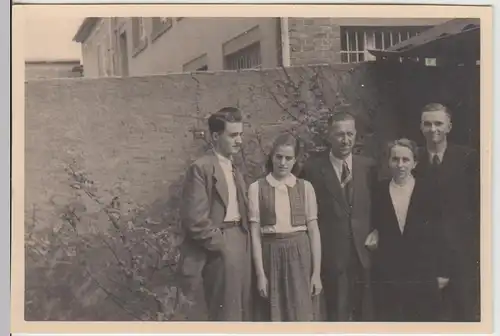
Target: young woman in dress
286, 245
409, 249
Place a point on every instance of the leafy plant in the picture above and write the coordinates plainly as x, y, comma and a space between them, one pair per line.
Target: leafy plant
128, 264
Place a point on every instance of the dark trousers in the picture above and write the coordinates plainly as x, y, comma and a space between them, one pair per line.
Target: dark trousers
407, 301
227, 279
461, 298
348, 294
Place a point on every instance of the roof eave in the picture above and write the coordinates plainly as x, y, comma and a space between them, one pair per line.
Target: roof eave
85, 29
409, 48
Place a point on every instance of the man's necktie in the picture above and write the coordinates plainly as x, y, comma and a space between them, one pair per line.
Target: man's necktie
239, 191
346, 182
435, 160
235, 175
435, 163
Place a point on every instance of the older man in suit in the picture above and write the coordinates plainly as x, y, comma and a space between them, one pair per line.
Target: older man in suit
342, 182
454, 173
214, 214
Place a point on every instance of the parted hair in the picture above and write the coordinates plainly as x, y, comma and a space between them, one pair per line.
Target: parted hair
403, 142
217, 121
285, 139
432, 107
340, 116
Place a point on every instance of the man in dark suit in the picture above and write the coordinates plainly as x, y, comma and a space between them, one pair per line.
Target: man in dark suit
342, 182
454, 173
214, 214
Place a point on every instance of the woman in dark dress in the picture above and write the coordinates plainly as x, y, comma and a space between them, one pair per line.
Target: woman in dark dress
409, 251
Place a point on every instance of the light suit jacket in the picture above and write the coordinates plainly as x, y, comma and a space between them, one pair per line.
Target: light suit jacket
203, 209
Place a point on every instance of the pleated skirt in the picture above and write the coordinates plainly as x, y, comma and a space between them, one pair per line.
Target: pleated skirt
287, 262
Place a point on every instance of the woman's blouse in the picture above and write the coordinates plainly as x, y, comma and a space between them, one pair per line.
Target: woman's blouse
400, 196
282, 205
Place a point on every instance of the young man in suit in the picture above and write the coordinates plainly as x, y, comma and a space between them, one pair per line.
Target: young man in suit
454, 172
214, 214
342, 182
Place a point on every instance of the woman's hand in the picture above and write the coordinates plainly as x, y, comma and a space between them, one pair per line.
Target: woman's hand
442, 282
371, 241
316, 285
263, 285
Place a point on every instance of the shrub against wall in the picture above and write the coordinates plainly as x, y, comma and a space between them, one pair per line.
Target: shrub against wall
123, 271
104, 247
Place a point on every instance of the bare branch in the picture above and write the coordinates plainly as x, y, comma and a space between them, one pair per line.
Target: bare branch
115, 299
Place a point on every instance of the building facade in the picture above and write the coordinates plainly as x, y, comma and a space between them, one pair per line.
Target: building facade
140, 46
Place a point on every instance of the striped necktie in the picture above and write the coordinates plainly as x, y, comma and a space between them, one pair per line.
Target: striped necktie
346, 184
239, 189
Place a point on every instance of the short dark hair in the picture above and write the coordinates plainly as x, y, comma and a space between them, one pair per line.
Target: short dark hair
433, 107
340, 116
217, 121
403, 142
285, 139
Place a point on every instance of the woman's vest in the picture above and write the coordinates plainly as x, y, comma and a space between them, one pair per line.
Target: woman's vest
296, 194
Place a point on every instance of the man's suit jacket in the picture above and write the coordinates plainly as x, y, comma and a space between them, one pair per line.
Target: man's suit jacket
336, 217
457, 186
203, 208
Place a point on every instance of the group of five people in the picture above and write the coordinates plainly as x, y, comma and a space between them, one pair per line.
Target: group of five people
331, 241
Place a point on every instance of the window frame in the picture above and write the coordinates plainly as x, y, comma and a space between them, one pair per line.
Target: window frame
353, 40
254, 49
161, 27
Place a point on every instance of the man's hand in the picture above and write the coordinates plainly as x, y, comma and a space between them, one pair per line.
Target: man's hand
442, 282
371, 241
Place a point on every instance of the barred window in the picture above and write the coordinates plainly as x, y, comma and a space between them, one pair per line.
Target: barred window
246, 58
356, 41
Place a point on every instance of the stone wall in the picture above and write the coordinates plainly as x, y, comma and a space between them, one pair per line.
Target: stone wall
136, 133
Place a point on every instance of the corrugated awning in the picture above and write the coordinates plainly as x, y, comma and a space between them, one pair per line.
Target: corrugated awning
445, 31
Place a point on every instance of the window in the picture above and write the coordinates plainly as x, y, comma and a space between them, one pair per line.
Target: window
246, 58
159, 26
139, 40
198, 64
356, 41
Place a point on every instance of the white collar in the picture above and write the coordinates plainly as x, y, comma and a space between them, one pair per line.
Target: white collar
408, 185
338, 162
440, 154
223, 159
289, 181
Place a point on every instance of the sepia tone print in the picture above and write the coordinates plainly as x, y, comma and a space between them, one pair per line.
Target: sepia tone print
256, 169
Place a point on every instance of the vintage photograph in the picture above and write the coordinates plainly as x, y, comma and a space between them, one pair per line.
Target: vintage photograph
255, 169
